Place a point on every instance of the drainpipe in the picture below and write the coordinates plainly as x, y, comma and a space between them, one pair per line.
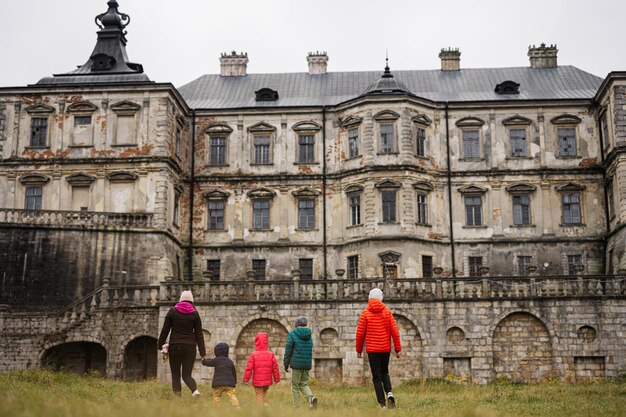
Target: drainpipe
191, 192
450, 194
324, 237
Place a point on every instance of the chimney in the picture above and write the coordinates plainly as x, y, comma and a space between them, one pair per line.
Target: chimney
318, 63
233, 64
542, 56
450, 59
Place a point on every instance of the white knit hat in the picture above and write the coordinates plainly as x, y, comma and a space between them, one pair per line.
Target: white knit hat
376, 294
186, 296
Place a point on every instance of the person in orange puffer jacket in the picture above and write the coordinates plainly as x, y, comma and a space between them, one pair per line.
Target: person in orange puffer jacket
262, 367
376, 328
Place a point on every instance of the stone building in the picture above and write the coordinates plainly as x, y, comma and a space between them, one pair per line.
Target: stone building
485, 202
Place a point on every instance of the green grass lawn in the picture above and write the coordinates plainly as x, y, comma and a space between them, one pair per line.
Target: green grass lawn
43, 393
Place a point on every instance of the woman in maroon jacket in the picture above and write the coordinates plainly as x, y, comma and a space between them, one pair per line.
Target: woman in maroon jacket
262, 367
185, 325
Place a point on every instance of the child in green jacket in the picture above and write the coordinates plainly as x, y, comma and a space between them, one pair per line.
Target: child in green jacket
299, 356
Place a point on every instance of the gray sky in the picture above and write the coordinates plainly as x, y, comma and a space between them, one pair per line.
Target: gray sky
177, 41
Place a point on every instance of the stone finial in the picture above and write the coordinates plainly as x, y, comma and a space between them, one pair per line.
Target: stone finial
234, 64
318, 62
542, 56
450, 59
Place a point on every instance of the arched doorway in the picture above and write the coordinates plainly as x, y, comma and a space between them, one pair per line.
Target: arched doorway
140, 359
521, 348
76, 357
409, 366
245, 342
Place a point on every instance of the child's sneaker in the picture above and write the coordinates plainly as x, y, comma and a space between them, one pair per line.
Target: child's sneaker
391, 400
313, 402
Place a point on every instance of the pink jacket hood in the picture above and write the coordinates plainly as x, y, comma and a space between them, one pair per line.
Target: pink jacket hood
185, 307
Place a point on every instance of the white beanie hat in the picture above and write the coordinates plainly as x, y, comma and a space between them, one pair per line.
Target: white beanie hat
186, 296
376, 294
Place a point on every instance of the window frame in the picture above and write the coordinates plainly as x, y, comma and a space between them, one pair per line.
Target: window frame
387, 118
215, 146
524, 217
212, 266
259, 265
569, 122
352, 267
257, 213
37, 199
473, 223
475, 263
35, 132
176, 207
262, 151
427, 267
420, 142
389, 208
571, 271
522, 265
306, 271
354, 142
307, 129
310, 214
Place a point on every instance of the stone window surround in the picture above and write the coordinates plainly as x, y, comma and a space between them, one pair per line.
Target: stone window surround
421, 122
81, 109
215, 131
470, 123
33, 180
572, 188
178, 192
354, 190
517, 190
260, 193
307, 194
125, 108
350, 123
307, 128
423, 188
566, 121
40, 111
386, 117
179, 128
262, 129
473, 191
388, 185
517, 122
216, 195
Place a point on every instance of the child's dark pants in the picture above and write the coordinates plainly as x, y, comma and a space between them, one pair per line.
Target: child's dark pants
182, 356
379, 365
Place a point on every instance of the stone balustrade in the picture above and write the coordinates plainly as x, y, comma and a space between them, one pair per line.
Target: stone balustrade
413, 289
75, 218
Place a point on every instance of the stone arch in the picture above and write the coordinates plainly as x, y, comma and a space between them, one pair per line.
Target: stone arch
140, 359
77, 357
245, 342
522, 348
409, 366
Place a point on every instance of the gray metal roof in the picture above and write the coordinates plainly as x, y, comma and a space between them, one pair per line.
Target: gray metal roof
301, 89
94, 79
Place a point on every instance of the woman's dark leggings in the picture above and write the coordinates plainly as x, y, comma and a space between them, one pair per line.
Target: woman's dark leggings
182, 356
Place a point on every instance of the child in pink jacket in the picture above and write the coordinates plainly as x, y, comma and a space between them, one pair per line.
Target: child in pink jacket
262, 366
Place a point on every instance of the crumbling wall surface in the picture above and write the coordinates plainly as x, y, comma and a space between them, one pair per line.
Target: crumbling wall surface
49, 269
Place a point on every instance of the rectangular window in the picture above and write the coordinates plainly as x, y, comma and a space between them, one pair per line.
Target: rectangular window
605, 130
475, 263
218, 151
353, 267
427, 266
307, 148
353, 143
33, 198
355, 210
258, 266
518, 142
387, 142
389, 206
177, 142
125, 132
261, 214
262, 150
471, 144
306, 214
521, 210
176, 213
213, 268
523, 262
39, 131
421, 142
572, 262
306, 269
216, 214
473, 210
82, 120
571, 209
567, 141
422, 209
